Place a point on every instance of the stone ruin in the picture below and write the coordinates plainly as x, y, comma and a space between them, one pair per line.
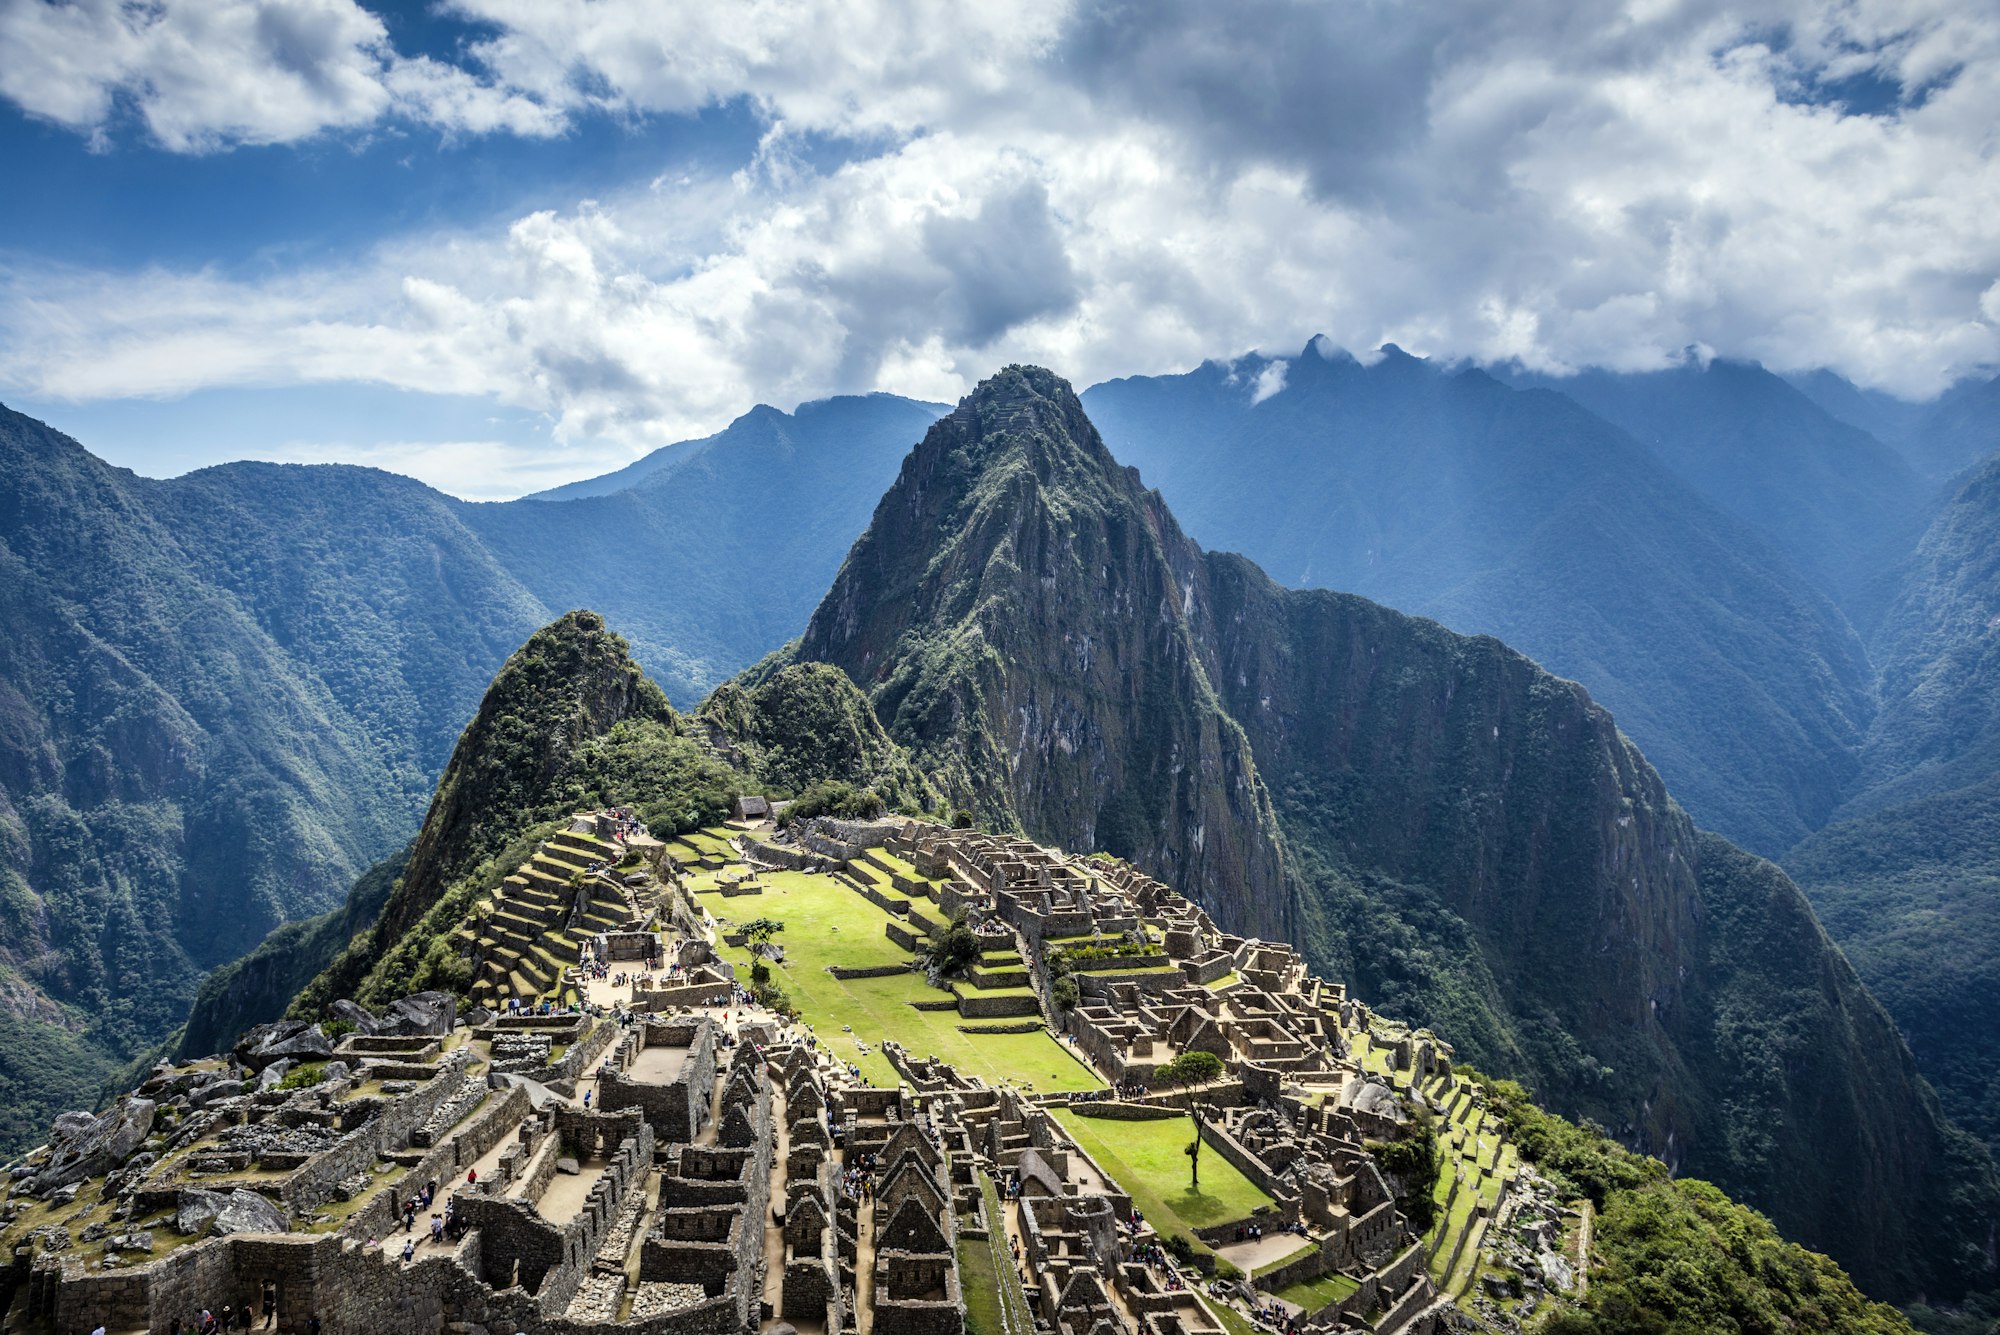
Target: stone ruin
725, 1183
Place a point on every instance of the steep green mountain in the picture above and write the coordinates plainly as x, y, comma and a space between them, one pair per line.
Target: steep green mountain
1467, 839
1518, 514
570, 686
1839, 503
1002, 610
1908, 880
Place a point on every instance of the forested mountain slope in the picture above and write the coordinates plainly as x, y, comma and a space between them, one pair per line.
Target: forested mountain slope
1468, 839
1518, 514
173, 780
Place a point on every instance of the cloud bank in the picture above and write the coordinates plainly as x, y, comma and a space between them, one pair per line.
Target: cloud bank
1108, 189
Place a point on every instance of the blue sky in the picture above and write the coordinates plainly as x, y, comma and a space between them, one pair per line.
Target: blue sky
499, 244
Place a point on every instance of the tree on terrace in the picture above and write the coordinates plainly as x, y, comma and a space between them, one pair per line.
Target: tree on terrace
1187, 1073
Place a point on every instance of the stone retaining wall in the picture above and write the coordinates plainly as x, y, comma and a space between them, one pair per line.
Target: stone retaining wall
873, 971
973, 1006
1119, 1111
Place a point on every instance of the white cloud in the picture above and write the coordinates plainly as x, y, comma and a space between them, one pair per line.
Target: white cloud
210, 74
1113, 190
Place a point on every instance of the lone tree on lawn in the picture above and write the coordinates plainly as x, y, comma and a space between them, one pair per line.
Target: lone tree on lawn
757, 934
1187, 1073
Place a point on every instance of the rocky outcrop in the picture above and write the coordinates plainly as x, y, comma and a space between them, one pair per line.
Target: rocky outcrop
420, 1013
82, 1146
283, 1040
219, 1213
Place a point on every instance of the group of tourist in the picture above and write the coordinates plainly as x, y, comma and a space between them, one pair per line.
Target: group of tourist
210, 1322
857, 1179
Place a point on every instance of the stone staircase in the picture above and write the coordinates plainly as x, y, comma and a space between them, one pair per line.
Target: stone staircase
540, 913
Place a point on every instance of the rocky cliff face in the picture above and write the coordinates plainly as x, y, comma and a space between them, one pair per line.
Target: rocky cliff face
1018, 613
1467, 838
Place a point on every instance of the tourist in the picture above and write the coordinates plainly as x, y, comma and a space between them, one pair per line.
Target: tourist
409, 1250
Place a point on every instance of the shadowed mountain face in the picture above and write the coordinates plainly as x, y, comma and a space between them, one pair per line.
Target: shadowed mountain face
1433, 817
1840, 504
1908, 876
1519, 514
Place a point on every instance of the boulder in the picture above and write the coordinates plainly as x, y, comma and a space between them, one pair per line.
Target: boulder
478, 1015
570, 1166
69, 1127
221, 1213
335, 1070
356, 1014
267, 1043
84, 1146
272, 1074
139, 1240
422, 1013
215, 1090
1556, 1270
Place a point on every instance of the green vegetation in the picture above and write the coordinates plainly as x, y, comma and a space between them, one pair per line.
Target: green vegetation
757, 934
834, 797
1412, 1160
1148, 1161
806, 729
1678, 1256
303, 1076
1313, 1294
951, 952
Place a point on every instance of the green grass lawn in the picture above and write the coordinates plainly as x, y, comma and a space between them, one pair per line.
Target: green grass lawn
979, 1282
827, 923
1147, 1159
1317, 1293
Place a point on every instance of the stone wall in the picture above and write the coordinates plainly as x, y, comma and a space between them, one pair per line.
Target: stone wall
872, 971
1119, 1111
974, 1006
675, 1111
319, 1180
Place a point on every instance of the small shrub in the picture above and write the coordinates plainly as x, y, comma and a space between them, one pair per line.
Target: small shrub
304, 1077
